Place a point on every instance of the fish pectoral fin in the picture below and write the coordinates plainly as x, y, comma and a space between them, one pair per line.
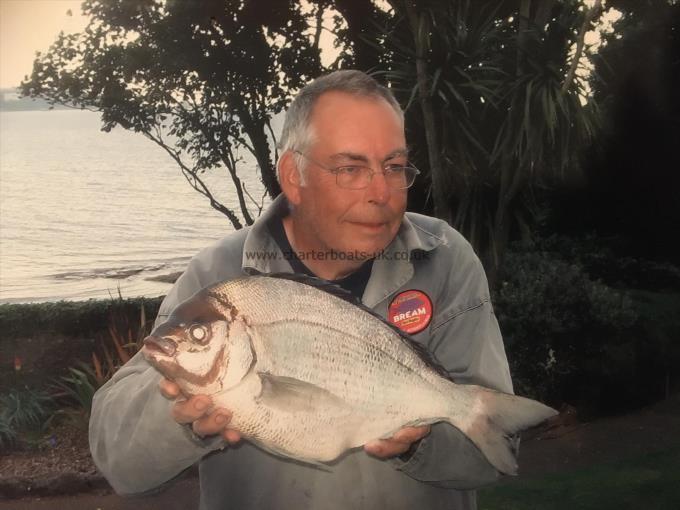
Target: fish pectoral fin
293, 395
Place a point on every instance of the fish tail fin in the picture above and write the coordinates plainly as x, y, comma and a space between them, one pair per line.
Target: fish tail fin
491, 420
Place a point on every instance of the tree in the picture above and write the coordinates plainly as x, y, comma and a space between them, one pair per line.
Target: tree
493, 108
501, 115
633, 172
201, 79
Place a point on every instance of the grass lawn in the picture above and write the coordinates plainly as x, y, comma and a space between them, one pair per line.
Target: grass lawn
651, 481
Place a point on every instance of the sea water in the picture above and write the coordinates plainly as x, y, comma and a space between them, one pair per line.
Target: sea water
88, 214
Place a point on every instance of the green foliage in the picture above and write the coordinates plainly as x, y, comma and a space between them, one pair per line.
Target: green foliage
554, 319
572, 336
21, 411
79, 387
8, 435
123, 342
505, 120
608, 259
70, 318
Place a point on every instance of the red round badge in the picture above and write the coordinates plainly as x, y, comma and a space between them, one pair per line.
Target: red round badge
410, 311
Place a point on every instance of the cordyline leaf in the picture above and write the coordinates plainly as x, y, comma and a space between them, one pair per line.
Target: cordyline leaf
443, 97
109, 359
549, 109
459, 98
471, 138
435, 81
99, 376
527, 124
122, 354
412, 97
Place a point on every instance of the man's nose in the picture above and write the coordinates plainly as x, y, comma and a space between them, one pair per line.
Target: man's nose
378, 191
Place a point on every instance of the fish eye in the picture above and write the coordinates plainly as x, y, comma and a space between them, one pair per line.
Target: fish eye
198, 333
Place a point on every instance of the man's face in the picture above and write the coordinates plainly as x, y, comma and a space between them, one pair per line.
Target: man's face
351, 130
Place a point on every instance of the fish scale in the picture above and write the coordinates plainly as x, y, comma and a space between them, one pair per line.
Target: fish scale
346, 358
307, 374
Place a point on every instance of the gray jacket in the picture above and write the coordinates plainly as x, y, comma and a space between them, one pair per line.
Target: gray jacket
138, 447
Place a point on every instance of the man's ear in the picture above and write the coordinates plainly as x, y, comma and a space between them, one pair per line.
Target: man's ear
289, 176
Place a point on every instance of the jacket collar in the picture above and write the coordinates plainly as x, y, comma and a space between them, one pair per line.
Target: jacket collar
261, 254
391, 270
394, 267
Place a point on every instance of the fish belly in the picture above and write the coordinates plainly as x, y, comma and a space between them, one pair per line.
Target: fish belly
366, 393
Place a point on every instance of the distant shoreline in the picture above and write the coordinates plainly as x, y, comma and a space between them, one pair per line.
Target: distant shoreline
10, 101
169, 278
28, 302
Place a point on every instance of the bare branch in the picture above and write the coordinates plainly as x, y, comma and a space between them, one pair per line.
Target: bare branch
274, 140
196, 182
260, 206
238, 184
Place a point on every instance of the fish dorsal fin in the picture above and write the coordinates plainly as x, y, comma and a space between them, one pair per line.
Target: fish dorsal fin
336, 290
293, 395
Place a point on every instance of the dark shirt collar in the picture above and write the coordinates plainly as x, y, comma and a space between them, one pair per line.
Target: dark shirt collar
355, 283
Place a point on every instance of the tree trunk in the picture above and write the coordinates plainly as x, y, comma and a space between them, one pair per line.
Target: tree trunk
442, 208
580, 43
524, 13
258, 137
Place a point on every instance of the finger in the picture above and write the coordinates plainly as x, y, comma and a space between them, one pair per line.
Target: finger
384, 448
169, 389
411, 434
212, 424
188, 411
231, 436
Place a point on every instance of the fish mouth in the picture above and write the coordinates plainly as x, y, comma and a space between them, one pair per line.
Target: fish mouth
155, 345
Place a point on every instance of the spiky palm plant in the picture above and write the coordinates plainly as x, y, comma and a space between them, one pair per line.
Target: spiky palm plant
491, 95
22, 411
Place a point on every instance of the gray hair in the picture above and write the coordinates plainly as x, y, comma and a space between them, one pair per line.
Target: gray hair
297, 134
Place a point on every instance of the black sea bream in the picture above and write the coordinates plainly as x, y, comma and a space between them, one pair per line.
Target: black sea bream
308, 374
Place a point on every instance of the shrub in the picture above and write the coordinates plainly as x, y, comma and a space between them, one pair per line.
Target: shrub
553, 318
78, 387
608, 260
69, 318
599, 343
22, 411
80, 384
124, 339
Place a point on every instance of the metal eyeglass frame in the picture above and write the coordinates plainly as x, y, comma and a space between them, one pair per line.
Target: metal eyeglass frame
337, 172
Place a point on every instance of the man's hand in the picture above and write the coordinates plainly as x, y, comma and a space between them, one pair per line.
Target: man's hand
399, 443
198, 411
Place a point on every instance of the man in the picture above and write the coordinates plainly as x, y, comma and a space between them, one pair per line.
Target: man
344, 173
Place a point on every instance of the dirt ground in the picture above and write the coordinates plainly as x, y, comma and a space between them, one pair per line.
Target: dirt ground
183, 495
563, 448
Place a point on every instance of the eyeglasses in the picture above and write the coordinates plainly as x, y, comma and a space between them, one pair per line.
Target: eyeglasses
360, 177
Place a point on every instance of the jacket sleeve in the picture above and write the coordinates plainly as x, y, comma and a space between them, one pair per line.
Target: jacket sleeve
466, 340
134, 441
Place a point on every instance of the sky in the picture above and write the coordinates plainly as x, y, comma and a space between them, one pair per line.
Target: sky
27, 26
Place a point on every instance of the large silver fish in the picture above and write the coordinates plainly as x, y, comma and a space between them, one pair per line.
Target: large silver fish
308, 374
